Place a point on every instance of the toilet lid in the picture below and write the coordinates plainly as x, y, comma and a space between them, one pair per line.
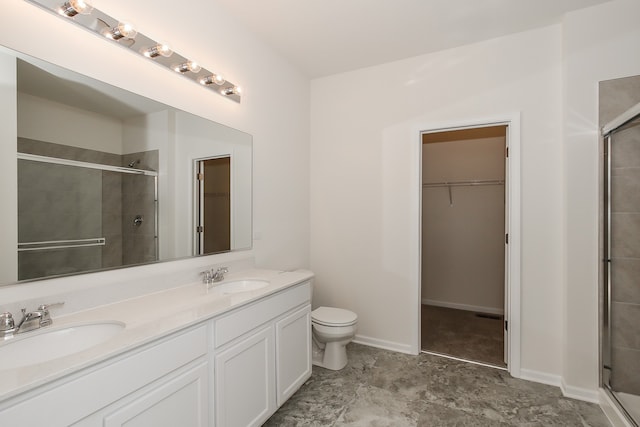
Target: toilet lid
330, 316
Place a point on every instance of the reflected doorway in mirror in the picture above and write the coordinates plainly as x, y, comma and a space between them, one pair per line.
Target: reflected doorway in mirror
213, 205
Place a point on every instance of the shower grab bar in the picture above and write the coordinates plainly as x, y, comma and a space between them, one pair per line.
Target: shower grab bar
60, 244
463, 183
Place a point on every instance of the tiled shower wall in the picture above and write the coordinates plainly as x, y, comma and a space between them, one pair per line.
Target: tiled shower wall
96, 204
139, 200
616, 96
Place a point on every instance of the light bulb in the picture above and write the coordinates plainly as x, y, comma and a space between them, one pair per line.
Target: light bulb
235, 90
74, 7
158, 50
124, 29
192, 66
214, 78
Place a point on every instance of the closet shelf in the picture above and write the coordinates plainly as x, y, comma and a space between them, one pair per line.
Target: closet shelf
463, 183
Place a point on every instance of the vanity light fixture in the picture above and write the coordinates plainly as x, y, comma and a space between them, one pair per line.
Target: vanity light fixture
125, 35
213, 78
157, 50
120, 31
74, 7
192, 66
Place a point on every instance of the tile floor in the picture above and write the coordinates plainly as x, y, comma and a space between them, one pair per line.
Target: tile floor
383, 388
463, 334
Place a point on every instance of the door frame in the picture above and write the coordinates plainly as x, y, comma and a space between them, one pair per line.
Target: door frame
512, 225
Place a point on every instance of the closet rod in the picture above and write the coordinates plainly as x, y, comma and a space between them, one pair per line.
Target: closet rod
463, 183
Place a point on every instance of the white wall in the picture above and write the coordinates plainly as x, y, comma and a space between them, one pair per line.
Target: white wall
40, 119
199, 139
463, 235
600, 43
275, 106
365, 178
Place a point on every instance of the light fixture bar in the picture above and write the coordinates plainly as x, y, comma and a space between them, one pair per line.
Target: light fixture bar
81, 12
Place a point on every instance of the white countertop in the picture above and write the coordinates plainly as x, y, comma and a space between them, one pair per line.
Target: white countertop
147, 318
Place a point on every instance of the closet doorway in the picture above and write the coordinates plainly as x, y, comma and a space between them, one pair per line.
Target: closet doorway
213, 205
464, 241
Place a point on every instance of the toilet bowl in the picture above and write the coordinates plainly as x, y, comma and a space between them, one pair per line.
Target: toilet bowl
333, 328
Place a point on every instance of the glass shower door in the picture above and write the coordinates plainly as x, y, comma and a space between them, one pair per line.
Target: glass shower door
621, 309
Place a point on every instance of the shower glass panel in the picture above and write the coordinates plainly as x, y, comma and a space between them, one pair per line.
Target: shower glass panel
76, 217
621, 310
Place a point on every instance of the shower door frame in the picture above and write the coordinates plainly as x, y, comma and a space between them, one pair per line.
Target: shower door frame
607, 132
98, 241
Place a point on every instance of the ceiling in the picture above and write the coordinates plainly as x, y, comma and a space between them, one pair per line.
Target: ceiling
48, 81
327, 37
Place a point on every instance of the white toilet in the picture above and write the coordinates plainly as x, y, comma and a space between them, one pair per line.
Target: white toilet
333, 329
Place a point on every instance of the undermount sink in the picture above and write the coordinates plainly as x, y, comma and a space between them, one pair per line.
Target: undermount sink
236, 286
51, 343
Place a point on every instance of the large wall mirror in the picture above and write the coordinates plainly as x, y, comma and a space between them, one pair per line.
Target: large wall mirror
109, 179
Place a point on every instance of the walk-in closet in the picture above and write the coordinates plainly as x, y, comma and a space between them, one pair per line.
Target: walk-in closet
463, 243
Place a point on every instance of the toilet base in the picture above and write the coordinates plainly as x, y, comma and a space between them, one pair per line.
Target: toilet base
333, 356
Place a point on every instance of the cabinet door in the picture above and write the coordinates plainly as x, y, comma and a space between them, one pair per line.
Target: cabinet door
293, 353
245, 381
181, 401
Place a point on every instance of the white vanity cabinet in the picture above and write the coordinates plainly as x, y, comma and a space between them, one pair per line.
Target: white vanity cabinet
231, 368
261, 356
161, 384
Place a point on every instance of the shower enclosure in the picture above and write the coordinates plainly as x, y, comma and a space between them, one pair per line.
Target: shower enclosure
620, 335
77, 215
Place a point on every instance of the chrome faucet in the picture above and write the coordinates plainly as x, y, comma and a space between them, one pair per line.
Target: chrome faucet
218, 275
210, 277
33, 320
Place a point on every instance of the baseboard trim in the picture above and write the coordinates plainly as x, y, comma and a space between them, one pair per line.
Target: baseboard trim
579, 393
611, 410
540, 377
467, 307
572, 392
383, 344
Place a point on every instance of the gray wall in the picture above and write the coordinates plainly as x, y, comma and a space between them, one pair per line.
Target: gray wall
139, 198
57, 202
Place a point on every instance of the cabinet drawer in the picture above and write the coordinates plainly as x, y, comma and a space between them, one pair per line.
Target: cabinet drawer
91, 390
241, 321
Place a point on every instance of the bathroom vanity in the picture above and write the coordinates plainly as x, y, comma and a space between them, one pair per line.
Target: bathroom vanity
189, 356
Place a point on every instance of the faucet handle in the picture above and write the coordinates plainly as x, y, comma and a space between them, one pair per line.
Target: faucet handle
45, 307
207, 275
45, 319
6, 322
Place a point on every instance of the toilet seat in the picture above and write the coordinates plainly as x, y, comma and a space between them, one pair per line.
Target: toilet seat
331, 316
